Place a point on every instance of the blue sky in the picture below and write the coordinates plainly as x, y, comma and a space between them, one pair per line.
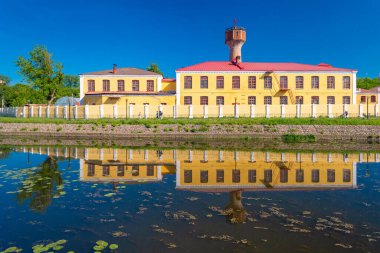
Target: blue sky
92, 35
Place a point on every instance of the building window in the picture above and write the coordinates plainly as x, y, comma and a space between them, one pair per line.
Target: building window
120, 171
299, 82
236, 82
283, 100
188, 176
150, 85
252, 82
204, 176
315, 100
220, 82
267, 82
315, 176
150, 170
346, 100
91, 85
330, 100
362, 99
90, 170
204, 82
188, 100
373, 99
346, 175
267, 100
330, 82
220, 176
220, 100
252, 100
283, 82
236, 176
284, 175
106, 171
120, 85
135, 170
299, 100
204, 100
330, 175
188, 82
300, 176
252, 176
346, 82
106, 85
267, 176
315, 82
135, 85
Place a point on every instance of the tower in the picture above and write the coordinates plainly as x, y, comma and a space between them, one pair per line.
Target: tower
235, 39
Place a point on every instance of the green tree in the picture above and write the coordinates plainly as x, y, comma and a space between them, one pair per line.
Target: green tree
71, 81
4, 80
42, 72
21, 94
367, 83
153, 67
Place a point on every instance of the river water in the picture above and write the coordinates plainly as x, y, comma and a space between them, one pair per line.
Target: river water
85, 199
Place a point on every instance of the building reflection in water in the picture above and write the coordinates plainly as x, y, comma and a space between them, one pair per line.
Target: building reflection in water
218, 170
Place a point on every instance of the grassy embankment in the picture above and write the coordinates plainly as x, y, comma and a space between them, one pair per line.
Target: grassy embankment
200, 121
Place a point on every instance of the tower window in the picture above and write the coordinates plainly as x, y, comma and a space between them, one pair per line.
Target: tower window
204, 82
236, 82
204, 176
362, 99
315, 100
299, 100
283, 82
90, 170
373, 99
315, 176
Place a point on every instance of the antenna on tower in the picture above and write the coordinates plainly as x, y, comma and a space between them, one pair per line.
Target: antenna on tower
235, 22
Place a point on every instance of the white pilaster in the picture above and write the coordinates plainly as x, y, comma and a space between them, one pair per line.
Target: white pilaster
130, 111
252, 157
361, 110
283, 158
146, 154
159, 83
267, 111
354, 87
48, 111
101, 154
175, 111
146, 111
191, 111
354, 173
252, 111
81, 89
267, 157
39, 111
101, 111
220, 111
115, 154
178, 88
56, 111
24, 115
329, 110
236, 114
298, 110
205, 111
86, 112
65, 112
313, 110
31, 111
282, 111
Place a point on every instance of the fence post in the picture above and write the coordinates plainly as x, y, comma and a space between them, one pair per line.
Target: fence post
31, 111
205, 112
39, 111
220, 111
115, 111
236, 114
329, 110
75, 111
56, 112
24, 112
65, 112
298, 110
376, 110
146, 111
174, 111
282, 111
252, 111
131, 111
361, 110
313, 110
85, 111
48, 111
267, 111
101, 111
190, 111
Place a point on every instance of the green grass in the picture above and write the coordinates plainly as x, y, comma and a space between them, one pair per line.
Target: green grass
201, 121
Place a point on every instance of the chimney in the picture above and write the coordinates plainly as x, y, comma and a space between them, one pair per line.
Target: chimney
114, 71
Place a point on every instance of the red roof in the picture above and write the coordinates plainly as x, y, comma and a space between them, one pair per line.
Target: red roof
260, 66
168, 79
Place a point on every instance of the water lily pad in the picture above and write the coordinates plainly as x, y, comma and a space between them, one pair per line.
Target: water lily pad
114, 246
109, 194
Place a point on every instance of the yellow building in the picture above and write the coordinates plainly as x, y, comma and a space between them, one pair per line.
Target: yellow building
371, 96
126, 86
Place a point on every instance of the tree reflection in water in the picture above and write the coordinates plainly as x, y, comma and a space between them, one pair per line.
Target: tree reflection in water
41, 185
235, 212
4, 153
